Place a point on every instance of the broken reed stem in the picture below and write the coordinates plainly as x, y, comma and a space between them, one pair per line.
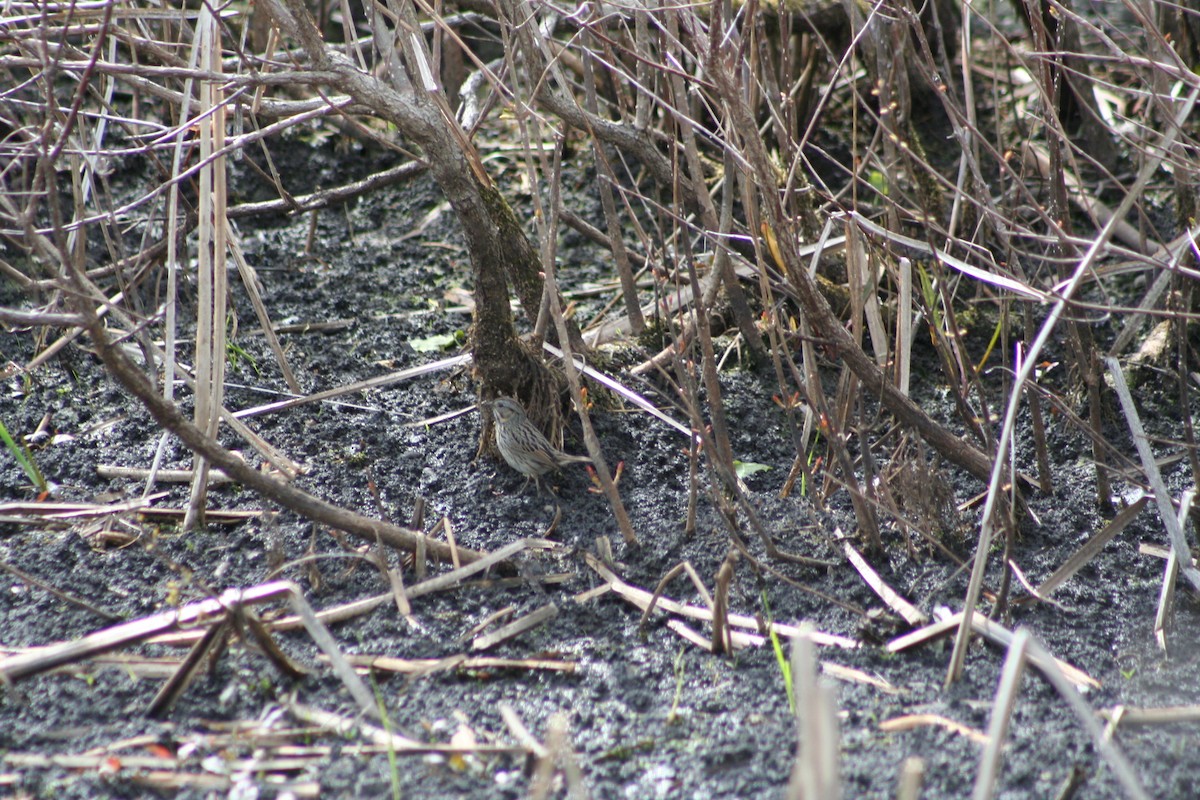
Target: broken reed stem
816, 769
722, 638
212, 287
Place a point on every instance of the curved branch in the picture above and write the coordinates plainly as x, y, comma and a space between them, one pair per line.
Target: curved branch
168, 415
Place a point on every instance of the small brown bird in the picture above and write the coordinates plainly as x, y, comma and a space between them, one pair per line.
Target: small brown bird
523, 446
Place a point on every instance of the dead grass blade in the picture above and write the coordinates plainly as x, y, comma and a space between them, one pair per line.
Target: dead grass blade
912, 776
250, 284
211, 642
551, 296
1166, 594
521, 733
384, 741
66, 597
369, 383
477, 565
1162, 497
911, 614
459, 663
1025, 647
515, 628
215, 477
672, 574
1002, 708
904, 320
992, 632
624, 391
909, 722
1166, 600
641, 598
28, 513
993, 275
1091, 548
1125, 715
168, 775
851, 675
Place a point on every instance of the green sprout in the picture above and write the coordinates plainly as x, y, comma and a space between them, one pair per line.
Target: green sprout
20, 452
785, 666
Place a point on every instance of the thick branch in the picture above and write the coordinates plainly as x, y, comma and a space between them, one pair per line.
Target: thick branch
495, 239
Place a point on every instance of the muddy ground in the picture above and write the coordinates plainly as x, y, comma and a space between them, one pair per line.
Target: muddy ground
649, 716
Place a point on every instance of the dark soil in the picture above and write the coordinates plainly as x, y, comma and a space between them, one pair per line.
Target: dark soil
649, 716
